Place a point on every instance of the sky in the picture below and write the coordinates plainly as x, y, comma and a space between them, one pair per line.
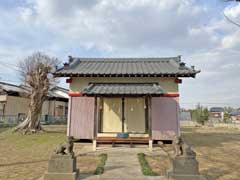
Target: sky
195, 29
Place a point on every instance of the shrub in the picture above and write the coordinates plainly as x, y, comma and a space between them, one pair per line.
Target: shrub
100, 167
146, 170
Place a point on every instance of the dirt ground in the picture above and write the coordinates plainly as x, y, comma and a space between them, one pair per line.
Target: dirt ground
218, 152
159, 164
26, 156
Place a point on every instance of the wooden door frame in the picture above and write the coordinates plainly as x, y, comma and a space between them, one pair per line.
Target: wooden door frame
147, 112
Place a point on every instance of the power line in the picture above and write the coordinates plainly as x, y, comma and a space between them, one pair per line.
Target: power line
230, 20
9, 64
11, 67
8, 80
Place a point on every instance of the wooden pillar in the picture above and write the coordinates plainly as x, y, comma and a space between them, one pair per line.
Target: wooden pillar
123, 114
150, 124
69, 116
150, 145
100, 114
149, 118
95, 124
94, 145
146, 114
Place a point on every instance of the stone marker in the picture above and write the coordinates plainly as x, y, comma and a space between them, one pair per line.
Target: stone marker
62, 165
184, 164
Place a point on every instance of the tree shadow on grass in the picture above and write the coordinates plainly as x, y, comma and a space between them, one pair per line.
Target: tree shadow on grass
21, 163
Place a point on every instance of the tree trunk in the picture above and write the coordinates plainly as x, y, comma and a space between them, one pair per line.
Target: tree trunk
37, 78
32, 122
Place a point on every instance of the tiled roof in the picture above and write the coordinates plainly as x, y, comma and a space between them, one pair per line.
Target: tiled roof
25, 90
12, 89
234, 113
216, 109
123, 89
122, 67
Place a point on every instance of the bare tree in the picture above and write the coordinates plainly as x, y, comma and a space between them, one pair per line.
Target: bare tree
228, 18
36, 73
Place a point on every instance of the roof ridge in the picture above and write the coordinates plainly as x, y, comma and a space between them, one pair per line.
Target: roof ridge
1, 82
126, 67
124, 83
128, 59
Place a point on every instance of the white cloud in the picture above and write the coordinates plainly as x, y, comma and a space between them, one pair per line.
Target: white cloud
233, 11
112, 25
132, 28
232, 41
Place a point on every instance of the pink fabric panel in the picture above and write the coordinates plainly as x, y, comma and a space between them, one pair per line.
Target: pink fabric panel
82, 117
69, 115
165, 123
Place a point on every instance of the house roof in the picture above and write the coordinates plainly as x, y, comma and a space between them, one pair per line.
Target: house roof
216, 109
54, 92
12, 89
24, 90
58, 92
123, 89
234, 113
126, 67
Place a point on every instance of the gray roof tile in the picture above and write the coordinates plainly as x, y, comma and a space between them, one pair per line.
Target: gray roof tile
126, 67
123, 89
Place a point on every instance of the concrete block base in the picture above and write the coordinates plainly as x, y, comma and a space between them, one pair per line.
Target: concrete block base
186, 177
62, 167
61, 176
62, 163
185, 168
185, 165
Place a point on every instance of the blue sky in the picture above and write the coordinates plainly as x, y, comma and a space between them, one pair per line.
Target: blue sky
195, 29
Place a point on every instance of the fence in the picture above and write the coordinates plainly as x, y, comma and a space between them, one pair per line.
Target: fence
47, 119
188, 123
225, 125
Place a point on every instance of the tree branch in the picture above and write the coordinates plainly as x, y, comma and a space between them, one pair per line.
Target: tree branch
230, 20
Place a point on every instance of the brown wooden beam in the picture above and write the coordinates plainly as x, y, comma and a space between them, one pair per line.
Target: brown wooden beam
123, 114
95, 118
149, 117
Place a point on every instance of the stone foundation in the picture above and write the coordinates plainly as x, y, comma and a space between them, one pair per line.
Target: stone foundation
62, 167
185, 168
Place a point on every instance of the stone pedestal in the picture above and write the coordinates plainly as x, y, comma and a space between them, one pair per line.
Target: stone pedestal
185, 168
62, 167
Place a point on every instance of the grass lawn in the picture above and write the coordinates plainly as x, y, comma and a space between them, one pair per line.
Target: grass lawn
26, 156
158, 164
218, 152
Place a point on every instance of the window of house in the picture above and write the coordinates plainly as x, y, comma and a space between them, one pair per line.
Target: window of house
59, 110
2, 105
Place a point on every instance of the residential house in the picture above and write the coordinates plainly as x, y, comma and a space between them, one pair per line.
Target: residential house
216, 114
14, 103
135, 96
185, 115
235, 116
